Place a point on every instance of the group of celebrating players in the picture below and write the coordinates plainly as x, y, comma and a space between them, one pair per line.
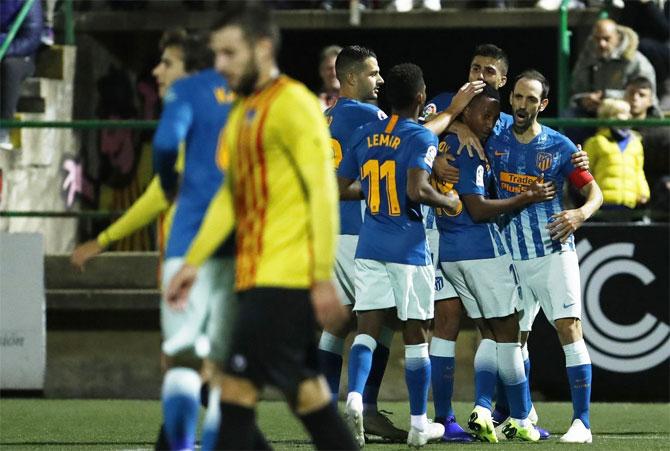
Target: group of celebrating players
442, 206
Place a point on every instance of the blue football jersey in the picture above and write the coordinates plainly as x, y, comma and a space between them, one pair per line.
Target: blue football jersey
515, 167
461, 238
343, 119
195, 110
380, 155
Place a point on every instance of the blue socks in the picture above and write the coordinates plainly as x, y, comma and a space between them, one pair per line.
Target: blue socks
360, 362
443, 366
511, 373
578, 365
330, 360
380, 358
417, 377
181, 406
486, 373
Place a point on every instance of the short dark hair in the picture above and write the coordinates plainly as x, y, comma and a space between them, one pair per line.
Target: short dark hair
350, 57
489, 92
174, 37
495, 52
254, 20
532, 74
195, 51
197, 54
640, 82
403, 82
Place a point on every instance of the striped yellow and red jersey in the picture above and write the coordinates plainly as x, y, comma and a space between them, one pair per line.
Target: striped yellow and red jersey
279, 187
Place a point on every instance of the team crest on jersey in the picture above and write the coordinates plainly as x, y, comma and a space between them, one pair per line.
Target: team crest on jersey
544, 160
249, 115
429, 111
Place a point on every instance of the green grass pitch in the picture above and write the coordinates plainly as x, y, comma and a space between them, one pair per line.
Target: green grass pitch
27, 424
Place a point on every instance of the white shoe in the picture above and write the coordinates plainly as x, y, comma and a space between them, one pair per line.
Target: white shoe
432, 432
354, 417
577, 433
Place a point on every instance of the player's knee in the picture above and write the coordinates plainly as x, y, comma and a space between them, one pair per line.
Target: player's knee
523, 337
447, 321
341, 329
182, 359
238, 391
313, 395
569, 330
415, 332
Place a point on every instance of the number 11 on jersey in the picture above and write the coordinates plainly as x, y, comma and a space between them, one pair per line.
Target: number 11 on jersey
375, 173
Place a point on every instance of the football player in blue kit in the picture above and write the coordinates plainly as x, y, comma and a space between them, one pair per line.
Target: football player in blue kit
195, 109
393, 160
540, 236
474, 260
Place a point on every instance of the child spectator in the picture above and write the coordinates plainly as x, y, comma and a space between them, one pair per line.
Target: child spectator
617, 161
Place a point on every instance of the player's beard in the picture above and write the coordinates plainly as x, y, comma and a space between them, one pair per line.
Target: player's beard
525, 125
248, 79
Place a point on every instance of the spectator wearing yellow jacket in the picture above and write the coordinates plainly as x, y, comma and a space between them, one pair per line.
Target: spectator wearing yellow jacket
617, 160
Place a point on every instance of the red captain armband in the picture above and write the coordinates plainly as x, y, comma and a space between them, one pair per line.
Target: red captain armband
580, 178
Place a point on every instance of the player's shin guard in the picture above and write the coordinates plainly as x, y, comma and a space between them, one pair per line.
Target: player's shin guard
442, 366
181, 406
486, 372
328, 430
330, 360
526, 368
511, 372
237, 428
578, 364
417, 376
210, 427
380, 358
360, 362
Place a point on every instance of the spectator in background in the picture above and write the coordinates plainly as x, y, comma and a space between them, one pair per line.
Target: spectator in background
607, 62
652, 25
19, 61
617, 159
330, 85
655, 140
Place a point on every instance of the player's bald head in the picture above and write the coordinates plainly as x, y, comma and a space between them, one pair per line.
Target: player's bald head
352, 59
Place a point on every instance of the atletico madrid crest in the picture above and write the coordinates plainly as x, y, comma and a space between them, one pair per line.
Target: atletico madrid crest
544, 160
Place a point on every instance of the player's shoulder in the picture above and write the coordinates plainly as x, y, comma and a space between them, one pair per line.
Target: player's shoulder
441, 101
556, 139
295, 97
361, 111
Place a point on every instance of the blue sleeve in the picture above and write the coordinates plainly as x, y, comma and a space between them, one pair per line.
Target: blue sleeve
471, 178
28, 39
349, 167
424, 150
172, 128
567, 149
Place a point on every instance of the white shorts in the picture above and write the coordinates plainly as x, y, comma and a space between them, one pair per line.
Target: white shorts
345, 268
443, 288
203, 327
407, 288
550, 282
486, 287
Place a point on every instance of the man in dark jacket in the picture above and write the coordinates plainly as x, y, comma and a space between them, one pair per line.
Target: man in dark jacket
19, 61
